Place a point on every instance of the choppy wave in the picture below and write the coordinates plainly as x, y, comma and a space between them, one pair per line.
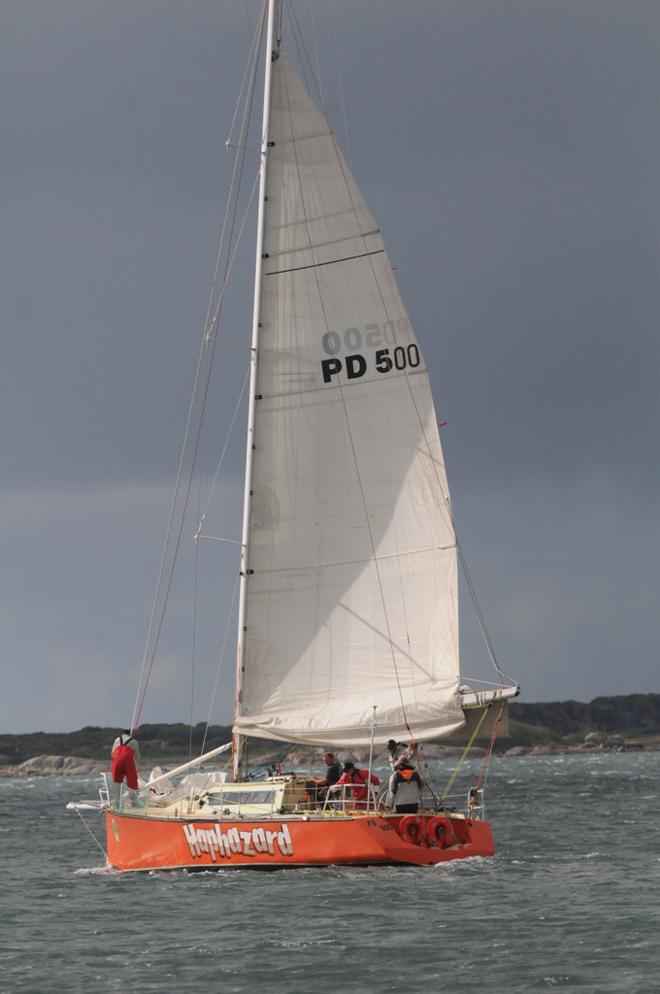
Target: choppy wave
568, 902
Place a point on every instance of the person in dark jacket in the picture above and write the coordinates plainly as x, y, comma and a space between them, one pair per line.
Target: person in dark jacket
318, 786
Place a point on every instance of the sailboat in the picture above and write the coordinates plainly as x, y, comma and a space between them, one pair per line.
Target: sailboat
348, 608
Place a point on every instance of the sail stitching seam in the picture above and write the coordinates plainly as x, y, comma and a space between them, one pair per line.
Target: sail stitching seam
355, 562
330, 262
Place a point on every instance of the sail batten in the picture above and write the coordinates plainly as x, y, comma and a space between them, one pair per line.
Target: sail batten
328, 262
351, 597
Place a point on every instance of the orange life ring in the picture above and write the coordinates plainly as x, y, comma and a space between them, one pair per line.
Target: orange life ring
411, 828
440, 833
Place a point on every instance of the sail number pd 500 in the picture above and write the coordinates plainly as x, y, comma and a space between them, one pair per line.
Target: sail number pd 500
356, 364
402, 357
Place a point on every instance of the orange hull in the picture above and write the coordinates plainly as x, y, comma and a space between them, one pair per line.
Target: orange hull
136, 842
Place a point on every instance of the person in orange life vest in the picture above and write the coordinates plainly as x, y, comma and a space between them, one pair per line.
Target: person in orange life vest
405, 789
125, 750
359, 777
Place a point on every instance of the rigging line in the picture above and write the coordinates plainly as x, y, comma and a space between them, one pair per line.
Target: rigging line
459, 549
483, 770
237, 172
477, 607
340, 81
235, 186
218, 538
278, 27
370, 263
254, 35
303, 54
473, 593
462, 757
316, 53
224, 450
425, 774
350, 433
231, 259
193, 648
194, 617
182, 518
181, 525
220, 662
92, 835
236, 181
214, 322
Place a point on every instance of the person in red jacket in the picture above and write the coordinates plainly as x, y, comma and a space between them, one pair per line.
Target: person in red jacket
125, 751
360, 778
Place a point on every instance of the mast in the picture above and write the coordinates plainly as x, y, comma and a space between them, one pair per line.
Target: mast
272, 51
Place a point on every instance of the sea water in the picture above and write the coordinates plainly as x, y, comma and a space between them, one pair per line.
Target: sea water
569, 902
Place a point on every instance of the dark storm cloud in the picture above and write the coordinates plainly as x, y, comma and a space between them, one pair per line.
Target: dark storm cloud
510, 153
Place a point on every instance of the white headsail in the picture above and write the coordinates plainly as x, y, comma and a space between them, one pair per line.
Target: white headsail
351, 597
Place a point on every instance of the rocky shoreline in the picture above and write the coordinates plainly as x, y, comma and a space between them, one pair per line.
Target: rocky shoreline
69, 766
53, 766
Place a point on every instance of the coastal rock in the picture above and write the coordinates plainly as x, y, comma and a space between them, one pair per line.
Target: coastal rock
50, 766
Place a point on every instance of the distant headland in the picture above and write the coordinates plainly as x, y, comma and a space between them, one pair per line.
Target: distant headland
605, 723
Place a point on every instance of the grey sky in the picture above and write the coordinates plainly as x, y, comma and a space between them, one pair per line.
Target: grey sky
511, 155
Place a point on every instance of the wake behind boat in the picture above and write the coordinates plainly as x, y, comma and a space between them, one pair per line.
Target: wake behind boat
348, 606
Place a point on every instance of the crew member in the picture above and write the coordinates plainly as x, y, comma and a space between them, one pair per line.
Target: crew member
400, 752
360, 778
405, 788
125, 751
318, 786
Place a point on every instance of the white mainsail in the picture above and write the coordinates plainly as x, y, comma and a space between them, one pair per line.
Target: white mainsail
351, 592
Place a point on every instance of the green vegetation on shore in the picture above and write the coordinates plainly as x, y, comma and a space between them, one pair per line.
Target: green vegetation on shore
156, 742
636, 716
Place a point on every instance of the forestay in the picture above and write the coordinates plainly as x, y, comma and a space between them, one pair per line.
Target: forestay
352, 584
